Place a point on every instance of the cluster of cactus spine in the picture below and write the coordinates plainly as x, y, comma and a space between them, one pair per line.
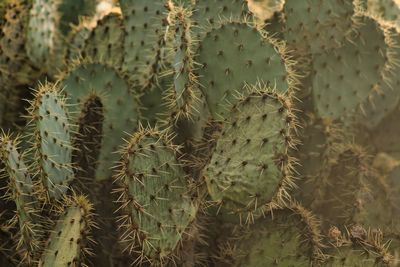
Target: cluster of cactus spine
199, 133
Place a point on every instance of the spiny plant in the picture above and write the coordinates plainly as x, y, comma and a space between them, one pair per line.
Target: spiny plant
289, 237
199, 133
39, 188
157, 201
250, 169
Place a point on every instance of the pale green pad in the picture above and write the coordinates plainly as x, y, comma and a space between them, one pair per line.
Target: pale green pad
317, 25
344, 78
382, 102
21, 192
160, 203
67, 239
145, 27
250, 164
388, 10
284, 239
43, 36
231, 56
211, 13
120, 107
105, 43
52, 132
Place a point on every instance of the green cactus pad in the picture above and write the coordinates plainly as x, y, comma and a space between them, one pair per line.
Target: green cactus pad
16, 70
385, 98
156, 197
189, 112
121, 107
68, 239
229, 61
289, 237
15, 67
250, 167
145, 26
185, 81
211, 13
52, 143
105, 41
22, 193
44, 40
346, 77
78, 36
49, 23
317, 25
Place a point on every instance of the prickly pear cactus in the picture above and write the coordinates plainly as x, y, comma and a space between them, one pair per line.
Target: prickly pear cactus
228, 63
145, 25
49, 23
156, 200
103, 44
250, 167
388, 10
335, 91
212, 13
21, 189
188, 109
317, 25
67, 243
16, 66
52, 139
203, 133
289, 237
112, 91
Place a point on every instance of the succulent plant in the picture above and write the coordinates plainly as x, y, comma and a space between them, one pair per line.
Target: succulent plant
199, 133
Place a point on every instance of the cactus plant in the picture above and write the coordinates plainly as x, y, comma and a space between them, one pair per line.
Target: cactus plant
199, 133
245, 181
155, 196
289, 237
67, 243
21, 192
51, 139
112, 90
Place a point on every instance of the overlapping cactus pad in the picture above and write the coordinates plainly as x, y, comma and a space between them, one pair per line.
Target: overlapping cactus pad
197, 133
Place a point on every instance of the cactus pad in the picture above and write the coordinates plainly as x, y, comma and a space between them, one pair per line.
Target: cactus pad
211, 13
68, 240
145, 23
317, 25
288, 238
121, 108
105, 41
52, 139
21, 192
15, 67
250, 167
229, 62
157, 203
345, 78
357, 248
